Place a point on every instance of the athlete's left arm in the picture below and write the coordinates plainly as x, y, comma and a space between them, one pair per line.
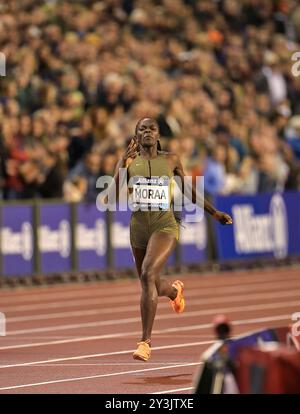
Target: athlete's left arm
192, 194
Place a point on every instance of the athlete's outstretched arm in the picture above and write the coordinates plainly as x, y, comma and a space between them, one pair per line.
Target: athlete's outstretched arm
192, 194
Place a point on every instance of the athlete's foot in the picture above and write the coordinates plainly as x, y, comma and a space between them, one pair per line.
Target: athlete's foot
178, 304
143, 351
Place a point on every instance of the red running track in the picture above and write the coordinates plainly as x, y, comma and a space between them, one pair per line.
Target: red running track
80, 338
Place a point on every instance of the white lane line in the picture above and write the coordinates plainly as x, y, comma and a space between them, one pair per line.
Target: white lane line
72, 314
180, 329
74, 340
75, 326
156, 348
90, 312
196, 291
69, 303
98, 290
110, 364
137, 371
14, 341
237, 323
113, 322
47, 292
133, 288
171, 391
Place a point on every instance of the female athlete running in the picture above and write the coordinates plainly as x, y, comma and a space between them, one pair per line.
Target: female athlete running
153, 227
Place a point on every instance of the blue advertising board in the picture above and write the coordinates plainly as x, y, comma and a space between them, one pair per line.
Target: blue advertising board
55, 238
17, 244
264, 225
120, 239
193, 237
91, 237
171, 259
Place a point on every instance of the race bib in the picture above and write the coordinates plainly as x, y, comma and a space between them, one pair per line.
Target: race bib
151, 193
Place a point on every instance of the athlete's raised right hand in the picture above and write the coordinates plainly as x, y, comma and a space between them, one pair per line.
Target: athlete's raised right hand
130, 153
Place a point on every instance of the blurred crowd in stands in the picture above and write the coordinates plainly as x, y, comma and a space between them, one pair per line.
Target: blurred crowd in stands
216, 74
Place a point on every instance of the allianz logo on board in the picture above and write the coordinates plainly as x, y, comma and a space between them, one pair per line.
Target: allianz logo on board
56, 241
120, 236
92, 238
18, 243
194, 233
262, 232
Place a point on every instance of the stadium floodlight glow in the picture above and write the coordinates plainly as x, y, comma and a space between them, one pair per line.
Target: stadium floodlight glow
2, 64
2, 324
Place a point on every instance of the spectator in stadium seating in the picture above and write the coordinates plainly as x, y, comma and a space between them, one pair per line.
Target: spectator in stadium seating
43, 176
108, 163
2, 170
214, 173
82, 179
295, 19
85, 71
272, 79
292, 135
81, 140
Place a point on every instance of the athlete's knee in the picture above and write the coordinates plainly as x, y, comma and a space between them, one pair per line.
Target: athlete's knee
148, 276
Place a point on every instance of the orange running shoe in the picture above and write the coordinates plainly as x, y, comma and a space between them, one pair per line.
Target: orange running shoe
143, 351
178, 304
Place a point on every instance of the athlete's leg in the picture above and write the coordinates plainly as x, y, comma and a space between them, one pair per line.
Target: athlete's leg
159, 247
139, 255
163, 286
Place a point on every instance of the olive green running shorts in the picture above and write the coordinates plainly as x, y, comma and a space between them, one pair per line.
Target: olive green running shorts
144, 223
